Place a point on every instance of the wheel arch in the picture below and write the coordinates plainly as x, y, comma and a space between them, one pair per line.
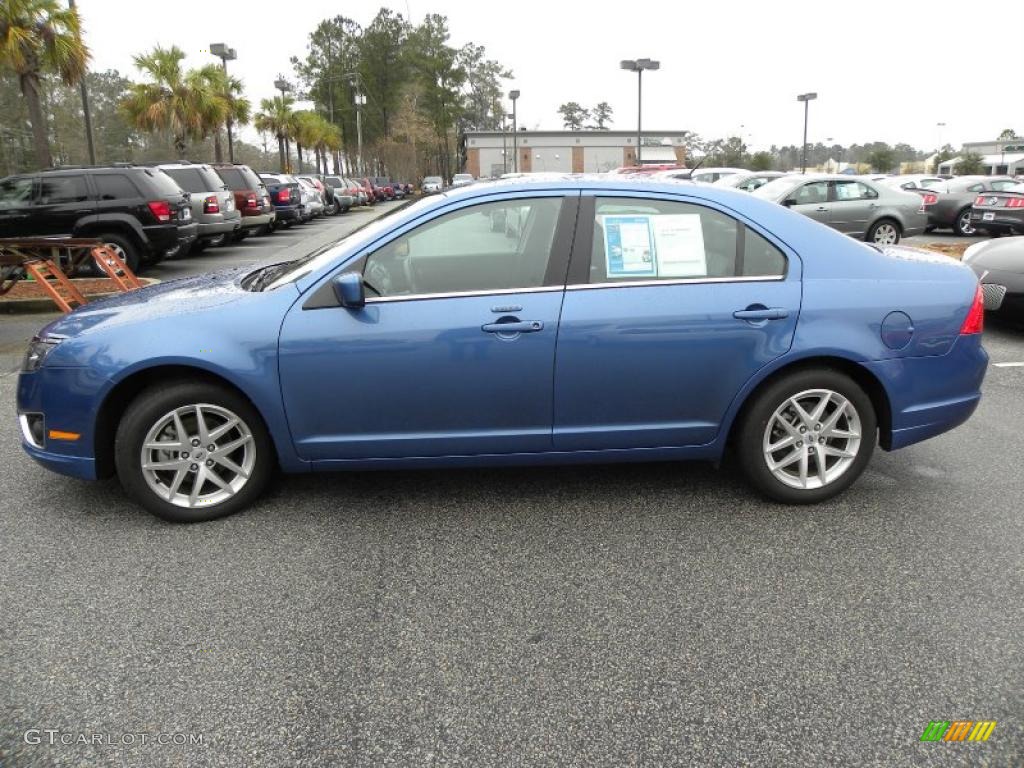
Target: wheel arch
121, 395
885, 216
863, 377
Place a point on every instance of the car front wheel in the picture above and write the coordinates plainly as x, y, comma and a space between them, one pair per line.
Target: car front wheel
190, 452
807, 436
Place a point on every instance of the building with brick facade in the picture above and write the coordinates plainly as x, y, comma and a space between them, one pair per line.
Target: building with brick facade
489, 153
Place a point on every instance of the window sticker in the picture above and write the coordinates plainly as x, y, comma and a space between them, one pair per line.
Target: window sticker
679, 245
628, 246
654, 246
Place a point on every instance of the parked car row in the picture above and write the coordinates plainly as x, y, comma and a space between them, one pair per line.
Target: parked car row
147, 213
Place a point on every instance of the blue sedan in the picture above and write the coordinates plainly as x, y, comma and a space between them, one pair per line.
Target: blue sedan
521, 322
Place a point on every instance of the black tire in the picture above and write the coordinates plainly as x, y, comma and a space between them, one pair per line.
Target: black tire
962, 226
873, 231
218, 241
757, 413
264, 230
149, 407
929, 229
125, 248
198, 246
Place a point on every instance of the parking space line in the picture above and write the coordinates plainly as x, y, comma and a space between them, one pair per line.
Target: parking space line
1009, 365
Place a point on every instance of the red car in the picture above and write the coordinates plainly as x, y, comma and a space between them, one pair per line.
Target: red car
251, 198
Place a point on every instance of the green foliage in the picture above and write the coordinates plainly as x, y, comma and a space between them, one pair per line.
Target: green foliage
970, 164
602, 115
882, 160
573, 115
762, 161
1007, 133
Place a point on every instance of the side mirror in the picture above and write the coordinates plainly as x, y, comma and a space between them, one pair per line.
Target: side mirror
348, 288
789, 202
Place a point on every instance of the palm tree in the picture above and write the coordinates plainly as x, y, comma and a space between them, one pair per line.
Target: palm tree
308, 133
277, 118
38, 36
181, 103
229, 89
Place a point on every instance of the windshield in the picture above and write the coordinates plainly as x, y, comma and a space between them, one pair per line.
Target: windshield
291, 271
732, 180
776, 188
432, 180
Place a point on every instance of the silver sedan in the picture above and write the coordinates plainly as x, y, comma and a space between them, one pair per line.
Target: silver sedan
856, 207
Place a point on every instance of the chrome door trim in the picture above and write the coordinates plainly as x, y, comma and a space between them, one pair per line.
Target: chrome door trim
461, 294
678, 281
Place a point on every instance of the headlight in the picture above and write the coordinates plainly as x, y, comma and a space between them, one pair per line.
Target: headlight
38, 351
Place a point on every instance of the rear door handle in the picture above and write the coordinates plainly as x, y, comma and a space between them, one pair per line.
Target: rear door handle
768, 313
526, 326
821, 209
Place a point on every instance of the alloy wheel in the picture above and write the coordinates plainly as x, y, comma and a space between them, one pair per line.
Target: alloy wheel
198, 455
964, 224
886, 234
812, 439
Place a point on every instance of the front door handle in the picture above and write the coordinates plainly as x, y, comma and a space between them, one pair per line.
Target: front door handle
766, 313
821, 209
526, 326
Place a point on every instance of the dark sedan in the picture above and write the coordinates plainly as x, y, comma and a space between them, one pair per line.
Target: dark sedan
1000, 213
952, 209
999, 265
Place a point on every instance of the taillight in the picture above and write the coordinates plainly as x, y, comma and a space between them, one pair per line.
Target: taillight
929, 199
284, 195
161, 209
251, 201
975, 320
1015, 202
210, 205
980, 200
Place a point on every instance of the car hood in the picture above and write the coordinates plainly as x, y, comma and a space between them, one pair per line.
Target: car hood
163, 300
1004, 255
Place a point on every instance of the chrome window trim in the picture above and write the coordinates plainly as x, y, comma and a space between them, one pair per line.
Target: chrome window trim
677, 281
461, 294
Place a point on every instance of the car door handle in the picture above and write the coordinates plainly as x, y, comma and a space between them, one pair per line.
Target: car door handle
526, 326
765, 313
821, 209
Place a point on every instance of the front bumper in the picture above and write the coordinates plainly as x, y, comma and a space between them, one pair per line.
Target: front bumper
67, 398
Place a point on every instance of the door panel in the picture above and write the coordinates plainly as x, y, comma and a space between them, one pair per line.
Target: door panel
659, 365
419, 371
62, 201
812, 201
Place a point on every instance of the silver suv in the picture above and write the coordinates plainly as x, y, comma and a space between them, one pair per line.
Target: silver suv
213, 204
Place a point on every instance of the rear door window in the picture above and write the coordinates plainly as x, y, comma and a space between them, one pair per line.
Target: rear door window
643, 240
54, 190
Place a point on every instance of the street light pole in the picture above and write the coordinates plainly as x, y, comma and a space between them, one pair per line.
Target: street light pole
806, 98
226, 54
515, 137
85, 110
638, 66
360, 101
504, 144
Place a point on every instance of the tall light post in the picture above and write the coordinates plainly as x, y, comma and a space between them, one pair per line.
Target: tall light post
504, 143
85, 109
806, 98
515, 137
638, 66
360, 100
226, 54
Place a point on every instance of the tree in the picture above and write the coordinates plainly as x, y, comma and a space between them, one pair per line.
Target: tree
602, 115
384, 67
881, 160
761, 161
482, 105
234, 107
182, 104
1007, 133
276, 117
970, 164
733, 152
439, 77
39, 36
573, 115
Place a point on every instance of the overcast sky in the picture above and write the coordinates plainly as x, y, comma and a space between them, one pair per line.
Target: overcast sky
878, 69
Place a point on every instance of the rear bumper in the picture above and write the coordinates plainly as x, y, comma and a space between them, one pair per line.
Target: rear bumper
213, 229
932, 395
1002, 221
257, 220
168, 239
288, 212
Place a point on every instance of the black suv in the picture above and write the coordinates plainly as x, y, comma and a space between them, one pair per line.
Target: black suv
139, 212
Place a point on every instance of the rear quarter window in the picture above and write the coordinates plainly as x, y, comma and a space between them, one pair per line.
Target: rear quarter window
190, 179
165, 186
115, 186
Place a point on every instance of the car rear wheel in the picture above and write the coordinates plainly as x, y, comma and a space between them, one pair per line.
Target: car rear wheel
962, 226
884, 232
190, 452
807, 436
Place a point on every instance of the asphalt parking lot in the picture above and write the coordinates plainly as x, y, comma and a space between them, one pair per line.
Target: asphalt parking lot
641, 615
